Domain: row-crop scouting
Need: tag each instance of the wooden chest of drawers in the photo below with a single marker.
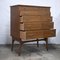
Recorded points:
(31, 22)
(31, 18)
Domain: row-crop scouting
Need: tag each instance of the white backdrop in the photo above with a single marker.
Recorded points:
(5, 17)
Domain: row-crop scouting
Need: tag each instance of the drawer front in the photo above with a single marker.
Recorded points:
(50, 33)
(34, 13)
(36, 26)
(35, 18)
(30, 34)
(40, 34)
(37, 34)
(27, 8)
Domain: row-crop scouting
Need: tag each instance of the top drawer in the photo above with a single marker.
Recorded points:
(35, 13)
(25, 10)
(28, 8)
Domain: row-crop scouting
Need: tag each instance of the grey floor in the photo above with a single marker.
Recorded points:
(31, 52)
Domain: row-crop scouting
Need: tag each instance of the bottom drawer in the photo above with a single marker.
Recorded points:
(37, 34)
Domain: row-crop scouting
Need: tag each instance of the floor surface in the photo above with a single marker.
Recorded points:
(31, 52)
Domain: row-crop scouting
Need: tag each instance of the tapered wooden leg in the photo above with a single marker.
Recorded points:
(20, 49)
(37, 43)
(46, 39)
(12, 44)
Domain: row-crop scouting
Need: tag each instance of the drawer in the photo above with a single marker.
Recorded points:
(37, 34)
(36, 25)
(35, 18)
(30, 34)
(28, 8)
(34, 13)
(49, 33)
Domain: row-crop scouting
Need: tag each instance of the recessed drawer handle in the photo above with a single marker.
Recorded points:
(20, 16)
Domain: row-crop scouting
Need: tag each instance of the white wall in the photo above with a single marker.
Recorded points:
(5, 17)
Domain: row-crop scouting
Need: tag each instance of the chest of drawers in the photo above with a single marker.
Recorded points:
(31, 22)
